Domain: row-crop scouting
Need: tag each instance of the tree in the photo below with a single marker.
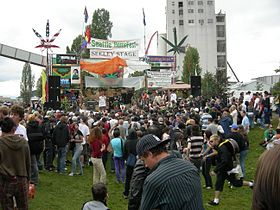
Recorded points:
(101, 27)
(27, 83)
(208, 84)
(276, 89)
(191, 65)
(39, 87)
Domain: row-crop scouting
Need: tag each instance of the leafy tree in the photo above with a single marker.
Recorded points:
(276, 89)
(101, 25)
(208, 84)
(39, 87)
(137, 74)
(27, 83)
(191, 65)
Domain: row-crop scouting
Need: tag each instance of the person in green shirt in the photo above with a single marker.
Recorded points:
(268, 134)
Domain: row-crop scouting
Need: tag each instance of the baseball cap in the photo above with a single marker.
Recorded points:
(234, 126)
(148, 142)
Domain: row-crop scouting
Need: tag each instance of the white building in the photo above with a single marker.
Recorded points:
(206, 31)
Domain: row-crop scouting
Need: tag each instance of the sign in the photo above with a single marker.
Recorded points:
(160, 59)
(75, 75)
(157, 74)
(66, 59)
(65, 83)
(109, 54)
(63, 72)
(114, 44)
(158, 82)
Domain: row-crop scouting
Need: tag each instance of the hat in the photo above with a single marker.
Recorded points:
(148, 142)
(160, 120)
(234, 126)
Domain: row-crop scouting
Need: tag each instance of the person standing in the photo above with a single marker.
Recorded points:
(14, 167)
(17, 114)
(77, 138)
(61, 137)
(97, 147)
(266, 106)
(102, 101)
(172, 183)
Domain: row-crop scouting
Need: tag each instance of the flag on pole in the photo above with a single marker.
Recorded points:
(86, 14)
(144, 19)
(44, 86)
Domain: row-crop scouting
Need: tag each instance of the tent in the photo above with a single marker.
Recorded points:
(182, 86)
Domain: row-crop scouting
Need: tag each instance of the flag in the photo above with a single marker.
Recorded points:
(144, 19)
(44, 86)
(55, 35)
(86, 15)
(87, 35)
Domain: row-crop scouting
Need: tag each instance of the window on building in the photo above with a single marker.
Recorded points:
(180, 4)
(209, 2)
(220, 19)
(201, 21)
(221, 46)
(190, 10)
(191, 3)
(210, 21)
(181, 12)
(191, 21)
(173, 21)
(220, 31)
(181, 22)
(221, 61)
(173, 3)
(200, 10)
(200, 2)
(173, 11)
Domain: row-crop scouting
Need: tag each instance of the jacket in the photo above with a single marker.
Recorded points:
(14, 156)
(95, 205)
(224, 158)
(61, 135)
(35, 137)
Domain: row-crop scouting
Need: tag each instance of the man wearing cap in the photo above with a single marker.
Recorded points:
(172, 182)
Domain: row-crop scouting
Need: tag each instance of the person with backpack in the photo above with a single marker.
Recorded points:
(36, 144)
(224, 166)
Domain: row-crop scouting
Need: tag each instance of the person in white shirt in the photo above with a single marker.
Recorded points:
(102, 101)
(233, 113)
(17, 114)
(245, 122)
(173, 97)
(85, 131)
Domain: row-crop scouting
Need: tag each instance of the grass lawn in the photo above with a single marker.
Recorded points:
(59, 192)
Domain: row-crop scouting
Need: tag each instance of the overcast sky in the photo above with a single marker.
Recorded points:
(253, 31)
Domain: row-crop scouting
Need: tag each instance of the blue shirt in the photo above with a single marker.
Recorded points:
(117, 148)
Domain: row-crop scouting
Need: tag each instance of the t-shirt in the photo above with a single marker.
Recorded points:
(21, 130)
(116, 145)
(85, 131)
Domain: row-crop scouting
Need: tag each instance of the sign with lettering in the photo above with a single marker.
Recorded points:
(66, 59)
(125, 45)
(109, 54)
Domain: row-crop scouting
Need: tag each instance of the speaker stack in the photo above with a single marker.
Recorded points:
(54, 92)
(196, 86)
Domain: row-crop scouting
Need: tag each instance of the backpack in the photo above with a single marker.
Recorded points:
(35, 140)
(232, 146)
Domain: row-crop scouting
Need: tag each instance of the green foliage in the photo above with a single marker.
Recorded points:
(259, 86)
(208, 84)
(276, 89)
(39, 87)
(137, 74)
(191, 65)
(101, 25)
(27, 83)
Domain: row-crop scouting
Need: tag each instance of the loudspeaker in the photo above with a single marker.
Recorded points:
(54, 88)
(196, 86)
(52, 105)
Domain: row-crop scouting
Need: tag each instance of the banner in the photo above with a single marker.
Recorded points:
(63, 71)
(114, 44)
(44, 86)
(157, 74)
(109, 54)
(158, 82)
(75, 75)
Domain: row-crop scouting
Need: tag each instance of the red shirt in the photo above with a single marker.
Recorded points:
(96, 148)
(105, 140)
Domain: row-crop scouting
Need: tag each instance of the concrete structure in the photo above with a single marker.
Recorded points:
(271, 79)
(206, 31)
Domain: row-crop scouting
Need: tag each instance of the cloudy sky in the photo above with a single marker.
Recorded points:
(253, 31)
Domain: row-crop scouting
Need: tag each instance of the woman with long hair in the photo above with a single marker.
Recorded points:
(97, 148)
(77, 138)
(267, 182)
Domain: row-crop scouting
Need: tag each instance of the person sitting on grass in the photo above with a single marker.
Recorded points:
(100, 195)
(268, 135)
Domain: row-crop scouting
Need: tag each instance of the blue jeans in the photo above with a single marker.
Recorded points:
(61, 158)
(76, 159)
(119, 169)
(266, 115)
(34, 170)
(242, 158)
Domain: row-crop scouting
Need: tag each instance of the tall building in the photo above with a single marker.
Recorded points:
(206, 32)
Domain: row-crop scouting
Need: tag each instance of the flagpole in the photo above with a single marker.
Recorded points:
(144, 23)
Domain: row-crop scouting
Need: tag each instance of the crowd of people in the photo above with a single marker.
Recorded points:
(156, 147)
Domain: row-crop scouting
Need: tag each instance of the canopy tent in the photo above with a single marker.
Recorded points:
(104, 67)
(177, 86)
(133, 82)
